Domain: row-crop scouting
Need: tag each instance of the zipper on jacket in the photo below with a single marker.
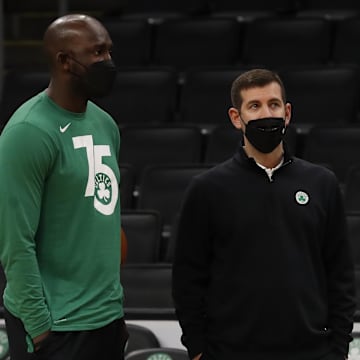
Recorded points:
(289, 161)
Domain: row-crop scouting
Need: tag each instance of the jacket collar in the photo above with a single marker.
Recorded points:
(243, 159)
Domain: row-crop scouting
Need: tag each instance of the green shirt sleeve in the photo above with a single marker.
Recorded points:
(26, 156)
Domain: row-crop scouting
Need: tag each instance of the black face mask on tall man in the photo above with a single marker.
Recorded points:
(98, 79)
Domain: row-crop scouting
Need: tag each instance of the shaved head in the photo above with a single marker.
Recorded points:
(78, 49)
(67, 32)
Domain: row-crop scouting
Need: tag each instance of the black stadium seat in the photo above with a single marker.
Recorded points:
(205, 96)
(346, 40)
(143, 233)
(162, 9)
(322, 95)
(185, 43)
(222, 144)
(276, 42)
(255, 5)
(162, 188)
(161, 353)
(140, 337)
(131, 42)
(142, 146)
(337, 147)
(18, 87)
(246, 11)
(142, 96)
(333, 10)
(147, 289)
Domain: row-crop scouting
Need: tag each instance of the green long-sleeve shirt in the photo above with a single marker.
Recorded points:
(60, 217)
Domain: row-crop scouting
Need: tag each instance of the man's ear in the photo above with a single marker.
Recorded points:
(287, 113)
(235, 118)
(61, 58)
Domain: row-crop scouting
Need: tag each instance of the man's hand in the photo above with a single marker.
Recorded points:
(197, 357)
(38, 339)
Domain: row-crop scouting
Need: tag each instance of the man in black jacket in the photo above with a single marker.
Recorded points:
(262, 267)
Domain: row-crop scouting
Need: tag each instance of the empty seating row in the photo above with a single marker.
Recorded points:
(189, 42)
(337, 147)
(144, 240)
(179, 6)
(154, 217)
(201, 96)
(157, 163)
(151, 180)
(208, 41)
(257, 8)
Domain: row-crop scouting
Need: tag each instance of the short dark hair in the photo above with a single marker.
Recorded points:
(251, 79)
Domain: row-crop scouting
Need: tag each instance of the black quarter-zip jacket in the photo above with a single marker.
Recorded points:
(262, 268)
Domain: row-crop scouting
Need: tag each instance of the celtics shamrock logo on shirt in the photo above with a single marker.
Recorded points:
(302, 198)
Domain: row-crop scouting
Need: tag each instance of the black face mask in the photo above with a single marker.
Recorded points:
(98, 78)
(265, 134)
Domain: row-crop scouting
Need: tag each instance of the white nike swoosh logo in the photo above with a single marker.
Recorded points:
(63, 129)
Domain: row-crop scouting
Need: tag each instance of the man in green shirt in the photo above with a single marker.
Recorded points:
(59, 206)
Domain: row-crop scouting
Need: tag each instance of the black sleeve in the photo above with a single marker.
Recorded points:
(340, 275)
(191, 268)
